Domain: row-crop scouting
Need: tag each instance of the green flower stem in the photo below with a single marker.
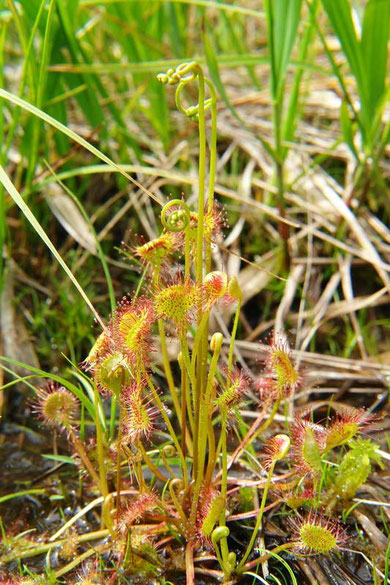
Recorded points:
(168, 371)
(187, 252)
(205, 416)
(118, 460)
(138, 471)
(100, 451)
(169, 425)
(269, 555)
(212, 452)
(211, 436)
(167, 466)
(198, 339)
(202, 176)
(203, 431)
(112, 416)
(187, 363)
(201, 362)
(213, 145)
(259, 518)
(188, 375)
(216, 538)
(222, 518)
(186, 404)
(213, 160)
(233, 335)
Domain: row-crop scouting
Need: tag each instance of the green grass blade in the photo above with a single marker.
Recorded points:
(340, 16)
(290, 119)
(212, 63)
(286, 17)
(347, 129)
(240, 60)
(26, 44)
(28, 56)
(205, 3)
(44, 59)
(283, 18)
(89, 405)
(34, 492)
(87, 101)
(336, 70)
(98, 245)
(374, 46)
(68, 132)
(60, 458)
(9, 186)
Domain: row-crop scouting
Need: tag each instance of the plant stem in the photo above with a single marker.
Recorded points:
(202, 173)
(168, 371)
(169, 425)
(222, 518)
(213, 160)
(100, 445)
(259, 518)
(118, 460)
(233, 335)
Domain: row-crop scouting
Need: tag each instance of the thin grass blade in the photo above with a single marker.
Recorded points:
(10, 188)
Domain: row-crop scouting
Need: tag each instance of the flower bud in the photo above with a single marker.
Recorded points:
(216, 342)
(234, 289)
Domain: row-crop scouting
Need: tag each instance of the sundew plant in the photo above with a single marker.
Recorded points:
(159, 448)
